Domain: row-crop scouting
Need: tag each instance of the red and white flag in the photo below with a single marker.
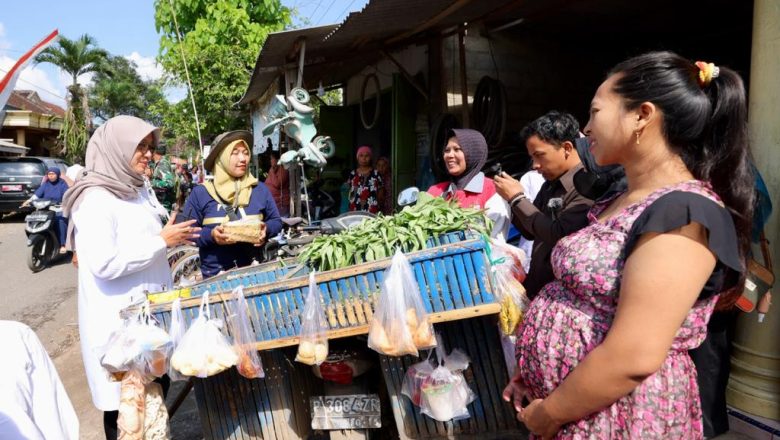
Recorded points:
(8, 82)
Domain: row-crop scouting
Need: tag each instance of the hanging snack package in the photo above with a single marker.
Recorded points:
(244, 338)
(176, 332)
(203, 350)
(154, 344)
(446, 395)
(507, 270)
(511, 257)
(400, 323)
(121, 350)
(414, 378)
(313, 345)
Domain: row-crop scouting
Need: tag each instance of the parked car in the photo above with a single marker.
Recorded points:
(20, 177)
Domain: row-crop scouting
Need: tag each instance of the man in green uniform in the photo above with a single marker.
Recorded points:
(163, 180)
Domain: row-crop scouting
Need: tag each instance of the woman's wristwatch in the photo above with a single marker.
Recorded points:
(517, 198)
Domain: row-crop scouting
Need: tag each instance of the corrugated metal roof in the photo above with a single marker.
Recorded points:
(336, 52)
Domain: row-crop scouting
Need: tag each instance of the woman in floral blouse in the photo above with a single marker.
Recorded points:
(366, 188)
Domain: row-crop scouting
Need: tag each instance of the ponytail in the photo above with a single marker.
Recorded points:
(705, 121)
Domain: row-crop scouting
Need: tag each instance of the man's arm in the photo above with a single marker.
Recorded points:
(534, 224)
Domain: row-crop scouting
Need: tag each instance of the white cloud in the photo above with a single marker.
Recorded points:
(34, 77)
(4, 44)
(146, 67)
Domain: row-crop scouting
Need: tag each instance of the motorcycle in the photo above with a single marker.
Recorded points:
(296, 233)
(41, 230)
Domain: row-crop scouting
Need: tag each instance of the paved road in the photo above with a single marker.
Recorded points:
(47, 302)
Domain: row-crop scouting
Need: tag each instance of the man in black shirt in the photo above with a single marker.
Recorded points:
(558, 209)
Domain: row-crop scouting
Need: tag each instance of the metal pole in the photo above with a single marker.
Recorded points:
(464, 86)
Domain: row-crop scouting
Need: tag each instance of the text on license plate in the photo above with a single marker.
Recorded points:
(7, 188)
(354, 411)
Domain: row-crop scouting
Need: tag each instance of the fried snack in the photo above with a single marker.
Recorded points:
(244, 231)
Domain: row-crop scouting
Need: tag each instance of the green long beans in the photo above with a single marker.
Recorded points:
(378, 238)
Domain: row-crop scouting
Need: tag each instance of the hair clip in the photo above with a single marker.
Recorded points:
(707, 72)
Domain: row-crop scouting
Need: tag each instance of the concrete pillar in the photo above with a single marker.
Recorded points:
(754, 386)
(20, 137)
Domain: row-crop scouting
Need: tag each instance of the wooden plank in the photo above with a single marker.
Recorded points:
(260, 392)
(462, 280)
(406, 427)
(483, 276)
(423, 255)
(426, 291)
(249, 418)
(444, 285)
(261, 330)
(452, 282)
(444, 316)
(471, 276)
(436, 300)
(203, 413)
(466, 341)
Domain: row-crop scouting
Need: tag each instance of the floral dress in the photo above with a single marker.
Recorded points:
(364, 191)
(572, 315)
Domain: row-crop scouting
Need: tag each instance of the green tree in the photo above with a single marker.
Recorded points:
(220, 40)
(75, 57)
(120, 90)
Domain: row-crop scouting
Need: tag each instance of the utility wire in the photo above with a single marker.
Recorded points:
(341, 15)
(39, 87)
(326, 12)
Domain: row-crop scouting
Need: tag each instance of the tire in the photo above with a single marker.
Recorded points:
(35, 261)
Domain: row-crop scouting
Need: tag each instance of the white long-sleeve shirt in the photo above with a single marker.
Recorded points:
(121, 255)
(34, 404)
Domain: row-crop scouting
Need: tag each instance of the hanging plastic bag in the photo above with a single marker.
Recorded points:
(512, 258)
(414, 378)
(313, 345)
(400, 323)
(203, 350)
(121, 350)
(507, 270)
(445, 395)
(154, 343)
(244, 338)
(176, 332)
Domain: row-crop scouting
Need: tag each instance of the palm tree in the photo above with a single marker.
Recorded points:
(75, 57)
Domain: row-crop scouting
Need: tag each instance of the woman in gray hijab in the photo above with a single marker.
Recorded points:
(464, 156)
(120, 241)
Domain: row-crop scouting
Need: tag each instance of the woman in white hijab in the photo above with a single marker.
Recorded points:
(117, 231)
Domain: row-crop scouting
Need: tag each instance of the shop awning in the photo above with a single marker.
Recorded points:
(6, 146)
(334, 53)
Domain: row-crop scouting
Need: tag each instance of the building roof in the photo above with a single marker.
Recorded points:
(334, 53)
(30, 101)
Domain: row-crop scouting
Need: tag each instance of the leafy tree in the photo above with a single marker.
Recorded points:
(75, 57)
(220, 40)
(121, 90)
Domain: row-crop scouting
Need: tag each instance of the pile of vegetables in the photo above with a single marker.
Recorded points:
(378, 238)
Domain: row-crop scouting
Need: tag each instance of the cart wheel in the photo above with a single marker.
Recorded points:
(187, 270)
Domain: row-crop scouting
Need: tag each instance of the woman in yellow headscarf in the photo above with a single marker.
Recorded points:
(233, 194)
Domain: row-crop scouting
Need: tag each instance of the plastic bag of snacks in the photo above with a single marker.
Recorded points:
(313, 345)
(203, 350)
(400, 323)
(507, 270)
(176, 331)
(244, 338)
(140, 344)
(415, 377)
(445, 395)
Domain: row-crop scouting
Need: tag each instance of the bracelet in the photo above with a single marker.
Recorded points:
(517, 198)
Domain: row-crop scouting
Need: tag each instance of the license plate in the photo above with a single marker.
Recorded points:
(8, 188)
(354, 411)
(36, 218)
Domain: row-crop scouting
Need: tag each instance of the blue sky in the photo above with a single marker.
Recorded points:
(123, 27)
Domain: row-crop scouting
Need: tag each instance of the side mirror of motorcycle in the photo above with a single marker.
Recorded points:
(408, 196)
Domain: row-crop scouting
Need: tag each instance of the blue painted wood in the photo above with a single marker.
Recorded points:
(452, 282)
(481, 266)
(471, 277)
(426, 290)
(444, 291)
(430, 278)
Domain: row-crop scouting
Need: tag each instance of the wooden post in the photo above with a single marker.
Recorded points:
(464, 86)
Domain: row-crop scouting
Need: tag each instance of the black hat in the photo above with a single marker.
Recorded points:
(222, 141)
